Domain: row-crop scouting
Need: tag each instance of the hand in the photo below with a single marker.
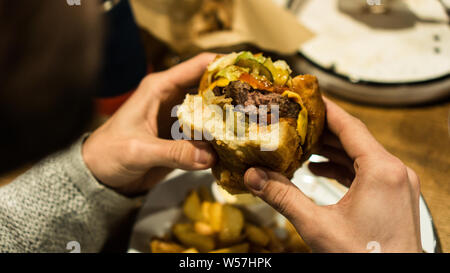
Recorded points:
(381, 205)
(132, 151)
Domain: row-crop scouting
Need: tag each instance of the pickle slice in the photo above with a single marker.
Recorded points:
(246, 59)
(280, 76)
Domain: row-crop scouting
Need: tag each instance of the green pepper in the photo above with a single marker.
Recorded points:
(245, 55)
(269, 65)
(232, 72)
(280, 75)
(246, 59)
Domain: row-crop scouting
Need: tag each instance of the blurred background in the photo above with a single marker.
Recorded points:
(386, 62)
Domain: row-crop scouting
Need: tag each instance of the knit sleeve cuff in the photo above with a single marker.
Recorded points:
(108, 199)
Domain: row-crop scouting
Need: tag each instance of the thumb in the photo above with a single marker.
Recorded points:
(183, 154)
(276, 190)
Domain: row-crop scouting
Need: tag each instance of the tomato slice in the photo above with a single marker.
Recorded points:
(255, 83)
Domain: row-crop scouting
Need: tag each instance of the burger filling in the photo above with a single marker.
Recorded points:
(252, 80)
(243, 94)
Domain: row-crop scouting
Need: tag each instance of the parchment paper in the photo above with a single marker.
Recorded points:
(259, 22)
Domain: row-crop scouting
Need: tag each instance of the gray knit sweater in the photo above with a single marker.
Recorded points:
(58, 205)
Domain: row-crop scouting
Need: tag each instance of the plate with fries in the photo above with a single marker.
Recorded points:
(190, 213)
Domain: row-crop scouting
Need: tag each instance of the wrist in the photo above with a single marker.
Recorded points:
(102, 169)
(90, 157)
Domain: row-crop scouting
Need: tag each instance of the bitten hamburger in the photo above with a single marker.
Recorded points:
(254, 114)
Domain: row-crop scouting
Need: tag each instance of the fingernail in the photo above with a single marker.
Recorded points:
(256, 179)
(202, 156)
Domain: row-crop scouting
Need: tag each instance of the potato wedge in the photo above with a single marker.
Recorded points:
(206, 211)
(231, 227)
(192, 206)
(203, 228)
(159, 246)
(295, 242)
(241, 248)
(256, 235)
(290, 227)
(275, 245)
(185, 233)
(190, 250)
(215, 216)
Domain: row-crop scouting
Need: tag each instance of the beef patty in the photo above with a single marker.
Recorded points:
(243, 94)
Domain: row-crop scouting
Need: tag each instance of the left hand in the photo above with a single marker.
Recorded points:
(131, 152)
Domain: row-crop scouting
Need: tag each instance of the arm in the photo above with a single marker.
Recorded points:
(58, 201)
(79, 194)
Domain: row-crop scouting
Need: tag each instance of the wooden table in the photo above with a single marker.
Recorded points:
(420, 137)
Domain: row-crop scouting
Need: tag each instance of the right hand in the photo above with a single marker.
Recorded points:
(382, 204)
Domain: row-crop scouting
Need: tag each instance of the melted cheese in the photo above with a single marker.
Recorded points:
(302, 120)
(221, 82)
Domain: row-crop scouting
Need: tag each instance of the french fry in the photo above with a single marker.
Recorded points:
(192, 206)
(290, 227)
(256, 235)
(215, 216)
(203, 228)
(185, 233)
(240, 248)
(232, 222)
(295, 242)
(190, 250)
(159, 246)
(275, 245)
(206, 211)
(221, 228)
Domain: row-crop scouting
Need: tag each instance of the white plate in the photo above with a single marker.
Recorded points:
(409, 44)
(162, 206)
